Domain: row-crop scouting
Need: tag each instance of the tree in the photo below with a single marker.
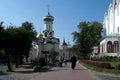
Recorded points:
(2, 54)
(16, 42)
(1, 35)
(87, 37)
(53, 56)
(29, 37)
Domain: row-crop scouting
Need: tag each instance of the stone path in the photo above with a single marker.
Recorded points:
(25, 72)
(66, 73)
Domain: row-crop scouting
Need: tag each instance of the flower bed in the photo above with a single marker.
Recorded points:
(98, 64)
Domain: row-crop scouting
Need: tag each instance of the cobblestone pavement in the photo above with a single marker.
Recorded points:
(25, 72)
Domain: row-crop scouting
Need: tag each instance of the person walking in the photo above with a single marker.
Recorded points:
(73, 62)
(60, 61)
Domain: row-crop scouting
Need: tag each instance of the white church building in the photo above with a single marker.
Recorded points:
(110, 44)
(46, 41)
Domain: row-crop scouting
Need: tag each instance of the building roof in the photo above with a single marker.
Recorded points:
(48, 17)
(64, 43)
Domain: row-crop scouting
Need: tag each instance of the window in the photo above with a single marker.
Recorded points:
(109, 47)
(45, 34)
(116, 46)
(118, 29)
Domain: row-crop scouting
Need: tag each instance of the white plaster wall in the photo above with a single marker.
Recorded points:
(112, 19)
(48, 26)
(110, 54)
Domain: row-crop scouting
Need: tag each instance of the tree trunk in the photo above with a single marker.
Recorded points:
(17, 62)
(26, 58)
(21, 59)
(9, 63)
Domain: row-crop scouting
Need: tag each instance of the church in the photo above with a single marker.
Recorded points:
(46, 42)
(64, 50)
(110, 44)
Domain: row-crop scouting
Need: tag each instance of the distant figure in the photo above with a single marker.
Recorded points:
(65, 62)
(73, 62)
(60, 61)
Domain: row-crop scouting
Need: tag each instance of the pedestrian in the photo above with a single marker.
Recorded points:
(65, 61)
(73, 62)
(60, 61)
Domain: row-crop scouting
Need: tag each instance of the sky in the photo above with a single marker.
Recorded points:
(67, 14)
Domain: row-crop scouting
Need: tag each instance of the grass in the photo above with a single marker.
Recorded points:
(114, 63)
(102, 70)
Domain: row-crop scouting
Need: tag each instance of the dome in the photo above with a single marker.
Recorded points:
(64, 43)
(48, 17)
(39, 36)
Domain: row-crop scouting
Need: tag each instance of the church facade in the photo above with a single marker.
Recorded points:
(46, 41)
(110, 44)
(64, 50)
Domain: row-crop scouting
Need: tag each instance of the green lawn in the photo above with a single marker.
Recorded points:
(114, 63)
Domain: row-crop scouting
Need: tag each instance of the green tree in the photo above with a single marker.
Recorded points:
(88, 35)
(2, 59)
(1, 35)
(16, 42)
(9, 42)
(53, 55)
(29, 37)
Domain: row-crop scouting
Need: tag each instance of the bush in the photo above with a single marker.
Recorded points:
(106, 65)
(117, 66)
(98, 64)
(46, 68)
(37, 68)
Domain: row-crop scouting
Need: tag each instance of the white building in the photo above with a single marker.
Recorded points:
(109, 46)
(46, 42)
(64, 50)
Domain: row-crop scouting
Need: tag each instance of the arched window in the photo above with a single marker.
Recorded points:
(50, 34)
(109, 46)
(45, 34)
(116, 46)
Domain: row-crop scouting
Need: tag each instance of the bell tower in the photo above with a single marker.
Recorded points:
(48, 25)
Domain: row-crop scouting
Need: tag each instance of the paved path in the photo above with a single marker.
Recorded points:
(66, 73)
(25, 72)
(56, 73)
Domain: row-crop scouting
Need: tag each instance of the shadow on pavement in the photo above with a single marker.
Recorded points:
(81, 69)
(27, 66)
(25, 72)
(26, 69)
(2, 73)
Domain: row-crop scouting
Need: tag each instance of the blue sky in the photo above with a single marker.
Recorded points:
(67, 13)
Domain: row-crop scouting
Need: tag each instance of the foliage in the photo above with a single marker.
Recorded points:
(107, 58)
(53, 55)
(88, 35)
(99, 69)
(98, 64)
(1, 35)
(38, 68)
(16, 42)
(117, 67)
(29, 37)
